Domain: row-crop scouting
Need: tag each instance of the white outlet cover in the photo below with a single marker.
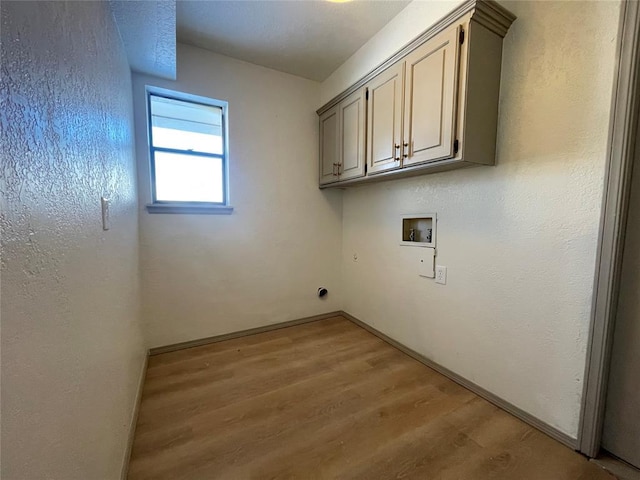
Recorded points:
(106, 220)
(441, 274)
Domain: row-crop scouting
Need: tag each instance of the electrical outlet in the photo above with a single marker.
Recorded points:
(441, 274)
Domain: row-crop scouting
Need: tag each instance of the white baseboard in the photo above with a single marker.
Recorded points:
(134, 420)
(478, 390)
(242, 333)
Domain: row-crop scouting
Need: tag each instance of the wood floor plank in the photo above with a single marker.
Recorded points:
(328, 400)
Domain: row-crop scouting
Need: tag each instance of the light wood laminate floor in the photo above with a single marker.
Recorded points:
(328, 400)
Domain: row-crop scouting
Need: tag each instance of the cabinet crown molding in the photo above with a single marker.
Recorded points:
(488, 13)
(492, 15)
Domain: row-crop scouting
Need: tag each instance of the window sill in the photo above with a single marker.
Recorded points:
(189, 209)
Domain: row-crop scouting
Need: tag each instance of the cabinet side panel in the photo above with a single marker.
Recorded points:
(483, 92)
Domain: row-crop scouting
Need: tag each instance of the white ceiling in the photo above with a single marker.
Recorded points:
(309, 38)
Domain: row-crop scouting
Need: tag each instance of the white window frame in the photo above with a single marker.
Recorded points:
(160, 206)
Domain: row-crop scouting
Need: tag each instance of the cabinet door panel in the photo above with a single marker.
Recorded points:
(430, 99)
(352, 119)
(384, 119)
(329, 146)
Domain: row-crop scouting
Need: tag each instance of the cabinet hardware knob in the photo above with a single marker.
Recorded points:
(406, 144)
(397, 159)
(397, 146)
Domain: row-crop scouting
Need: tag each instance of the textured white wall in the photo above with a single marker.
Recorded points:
(72, 351)
(414, 19)
(206, 275)
(148, 32)
(519, 239)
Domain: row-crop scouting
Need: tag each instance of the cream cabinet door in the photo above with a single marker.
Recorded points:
(384, 120)
(352, 129)
(329, 146)
(430, 99)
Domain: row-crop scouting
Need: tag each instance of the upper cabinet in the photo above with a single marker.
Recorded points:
(432, 106)
(329, 138)
(342, 140)
(384, 120)
(431, 73)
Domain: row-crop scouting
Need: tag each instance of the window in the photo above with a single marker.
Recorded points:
(188, 152)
